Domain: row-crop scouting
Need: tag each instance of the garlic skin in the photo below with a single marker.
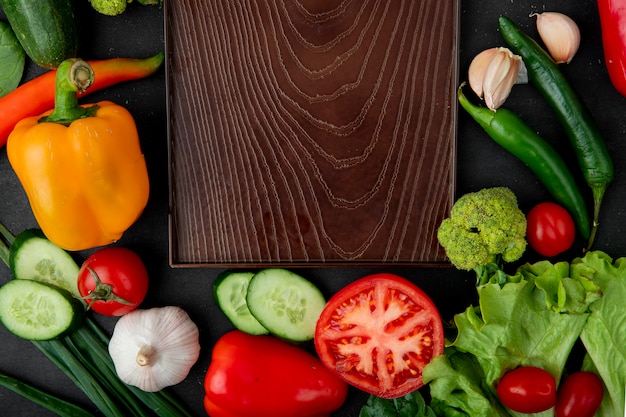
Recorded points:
(492, 74)
(560, 34)
(154, 348)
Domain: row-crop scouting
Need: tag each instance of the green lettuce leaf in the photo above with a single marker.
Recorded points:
(456, 380)
(604, 334)
(531, 318)
(411, 405)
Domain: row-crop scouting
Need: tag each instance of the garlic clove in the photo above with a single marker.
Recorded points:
(476, 71)
(500, 76)
(493, 72)
(560, 34)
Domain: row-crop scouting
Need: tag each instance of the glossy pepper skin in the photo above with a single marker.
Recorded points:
(613, 23)
(81, 167)
(262, 376)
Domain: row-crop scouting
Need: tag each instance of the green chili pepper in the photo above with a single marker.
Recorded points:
(576, 119)
(509, 131)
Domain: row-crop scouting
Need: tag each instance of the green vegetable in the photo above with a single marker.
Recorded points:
(33, 256)
(603, 336)
(230, 289)
(510, 132)
(458, 389)
(36, 311)
(410, 405)
(483, 228)
(110, 7)
(531, 318)
(13, 59)
(285, 303)
(46, 29)
(578, 122)
(47, 401)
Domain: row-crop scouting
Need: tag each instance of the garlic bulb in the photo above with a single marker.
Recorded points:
(560, 34)
(492, 74)
(154, 348)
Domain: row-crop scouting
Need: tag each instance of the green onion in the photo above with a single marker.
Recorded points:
(100, 371)
(58, 353)
(44, 399)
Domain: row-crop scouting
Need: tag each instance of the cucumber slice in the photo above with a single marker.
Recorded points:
(230, 289)
(33, 256)
(285, 303)
(36, 311)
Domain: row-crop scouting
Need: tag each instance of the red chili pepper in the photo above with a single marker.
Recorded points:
(613, 22)
(37, 95)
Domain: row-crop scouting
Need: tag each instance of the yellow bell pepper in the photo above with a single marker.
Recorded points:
(81, 166)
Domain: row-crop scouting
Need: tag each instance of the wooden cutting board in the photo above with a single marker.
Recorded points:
(308, 132)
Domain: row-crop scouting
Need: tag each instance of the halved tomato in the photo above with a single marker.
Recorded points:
(378, 333)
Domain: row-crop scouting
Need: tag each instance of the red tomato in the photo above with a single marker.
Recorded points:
(527, 389)
(550, 229)
(378, 333)
(113, 280)
(580, 395)
(263, 376)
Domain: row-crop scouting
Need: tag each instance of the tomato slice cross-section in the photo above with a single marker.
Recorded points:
(378, 333)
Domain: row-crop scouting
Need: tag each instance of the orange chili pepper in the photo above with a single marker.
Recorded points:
(37, 95)
(81, 166)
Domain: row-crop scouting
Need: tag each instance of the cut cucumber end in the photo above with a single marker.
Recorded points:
(285, 303)
(230, 291)
(33, 256)
(36, 311)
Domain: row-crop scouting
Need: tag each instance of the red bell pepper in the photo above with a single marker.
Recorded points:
(262, 376)
(613, 23)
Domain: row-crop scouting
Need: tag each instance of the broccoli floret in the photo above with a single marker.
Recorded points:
(110, 7)
(483, 228)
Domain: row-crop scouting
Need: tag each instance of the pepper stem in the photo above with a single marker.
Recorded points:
(73, 76)
(598, 194)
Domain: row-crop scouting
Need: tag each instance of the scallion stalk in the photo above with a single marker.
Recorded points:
(44, 399)
(58, 353)
(83, 351)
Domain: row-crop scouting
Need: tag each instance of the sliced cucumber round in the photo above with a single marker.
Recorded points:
(230, 289)
(33, 256)
(285, 303)
(36, 311)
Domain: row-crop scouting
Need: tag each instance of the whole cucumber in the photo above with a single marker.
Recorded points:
(46, 29)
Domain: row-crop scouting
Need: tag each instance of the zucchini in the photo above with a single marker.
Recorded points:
(13, 60)
(229, 290)
(46, 29)
(33, 256)
(36, 311)
(285, 303)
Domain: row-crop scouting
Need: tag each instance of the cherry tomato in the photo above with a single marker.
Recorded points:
(579, 395)
(550, 229)
(263, 376)
(527, 389)
(113, 280)
(378, 333)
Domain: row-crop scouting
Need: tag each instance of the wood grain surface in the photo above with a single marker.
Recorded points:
(311, 133)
